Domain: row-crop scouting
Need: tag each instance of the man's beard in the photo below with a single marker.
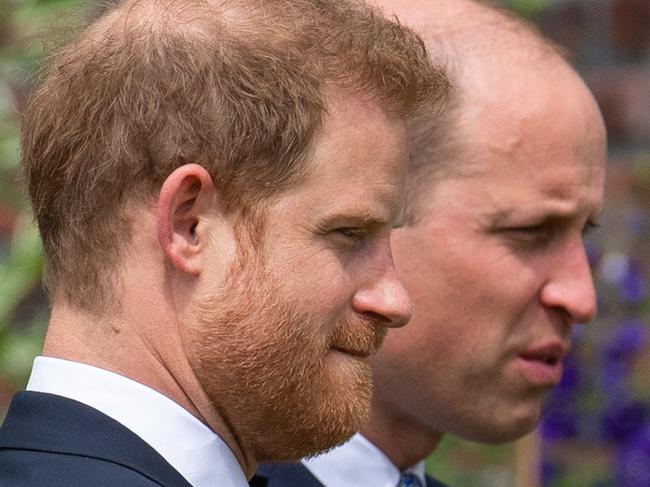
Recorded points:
(264, 364)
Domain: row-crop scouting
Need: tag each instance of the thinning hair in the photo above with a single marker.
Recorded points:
(238, 86)
(470, 28)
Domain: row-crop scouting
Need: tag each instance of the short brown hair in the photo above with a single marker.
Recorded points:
(237, 86)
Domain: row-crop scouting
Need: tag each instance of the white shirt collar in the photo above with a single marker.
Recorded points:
(185, 442)
(358, 463)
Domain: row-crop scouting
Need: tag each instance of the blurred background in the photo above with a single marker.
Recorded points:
(596, 427)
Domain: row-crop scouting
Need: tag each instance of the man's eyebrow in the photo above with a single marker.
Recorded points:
(538, 215)
(556, 213)
(362, 217)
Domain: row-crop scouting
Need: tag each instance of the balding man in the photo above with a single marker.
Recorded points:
(215, 184)
(500, 196)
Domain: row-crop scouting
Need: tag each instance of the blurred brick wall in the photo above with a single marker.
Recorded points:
(596, 429)
(609, 41)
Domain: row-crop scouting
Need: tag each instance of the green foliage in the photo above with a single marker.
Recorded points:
(460, 462)
(17, 351)
(23, 26)
(527, 8)
(21, 271)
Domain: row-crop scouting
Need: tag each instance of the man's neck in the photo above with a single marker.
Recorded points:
(118, 345)
(404, 441)
(199, 456)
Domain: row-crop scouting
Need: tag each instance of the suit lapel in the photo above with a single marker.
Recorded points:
(297, 475)
(46, 422)
(284, 475)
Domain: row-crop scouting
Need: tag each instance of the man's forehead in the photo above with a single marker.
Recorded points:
(536, 109)
(356, 165)
(380, 202)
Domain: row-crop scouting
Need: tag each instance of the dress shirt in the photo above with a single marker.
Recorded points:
(358, 463)
(181, 439)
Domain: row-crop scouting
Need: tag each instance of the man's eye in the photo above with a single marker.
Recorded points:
(529, 230)
(351, 233)
(530, 234)
(349, 238)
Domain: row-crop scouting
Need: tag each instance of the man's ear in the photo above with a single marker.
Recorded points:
(186, 195)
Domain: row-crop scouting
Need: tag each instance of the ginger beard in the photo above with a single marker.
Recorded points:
(268, 368)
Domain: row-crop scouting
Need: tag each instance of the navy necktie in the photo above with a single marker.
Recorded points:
(409, 480)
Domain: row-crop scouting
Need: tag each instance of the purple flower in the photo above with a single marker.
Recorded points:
(613, 376)
(620, 352)
(559, 421)
(550, 472)
(622, 420)
(636, 220)
(560, 417)
(633, 460)
(627, 339)
(632, 285)
(594, 253)
(570, 378)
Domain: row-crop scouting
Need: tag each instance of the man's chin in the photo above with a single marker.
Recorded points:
(504, 429)
(325, 420)
(313, 446)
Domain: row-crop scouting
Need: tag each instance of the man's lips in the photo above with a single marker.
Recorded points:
(541, 364)
(354, 352)
(548, 353)
(358, 339)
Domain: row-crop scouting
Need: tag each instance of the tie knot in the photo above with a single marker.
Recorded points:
(409, 480)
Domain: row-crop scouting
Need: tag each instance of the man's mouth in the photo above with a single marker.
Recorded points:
(541, 365)
(549, 353)
(360, 340)
(353, 352)
(545, 359)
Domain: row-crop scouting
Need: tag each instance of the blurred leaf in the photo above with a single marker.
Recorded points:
(9, 148)
(23, 269)
(460, 462)
(17, 352)
(527, 8)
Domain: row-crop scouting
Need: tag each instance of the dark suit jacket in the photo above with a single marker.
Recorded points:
(297, 475)
(50, 441)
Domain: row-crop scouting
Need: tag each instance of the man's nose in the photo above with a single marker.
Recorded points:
(570, 285)
(383, 296)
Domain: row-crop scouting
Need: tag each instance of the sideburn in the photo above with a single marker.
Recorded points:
(249, 228)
